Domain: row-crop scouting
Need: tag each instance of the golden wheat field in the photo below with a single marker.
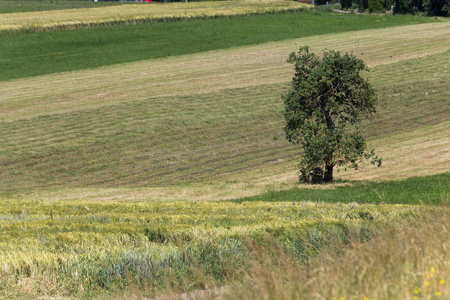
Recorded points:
(133, 13)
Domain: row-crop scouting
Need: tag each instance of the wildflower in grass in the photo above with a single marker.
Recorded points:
(432, 270)
(438, 293)
(427, 283)
(416, 291)
(415, 298)
(442, 281)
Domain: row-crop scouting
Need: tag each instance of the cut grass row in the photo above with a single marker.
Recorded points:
(145, 142)
(141, 145)
(140, 13)
(158, 141)
(61, 51)
(217, 70)
(414, 153)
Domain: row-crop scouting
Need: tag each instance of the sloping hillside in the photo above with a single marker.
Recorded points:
(214, 119)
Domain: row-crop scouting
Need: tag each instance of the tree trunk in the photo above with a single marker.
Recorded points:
(328, 176)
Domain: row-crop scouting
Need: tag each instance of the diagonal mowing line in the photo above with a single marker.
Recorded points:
(209, 71)
(421, 152)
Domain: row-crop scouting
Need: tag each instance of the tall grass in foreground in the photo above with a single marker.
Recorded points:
(86, 249)
(406, 261)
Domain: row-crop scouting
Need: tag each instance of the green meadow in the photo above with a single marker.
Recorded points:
(149, 160)
(430, 190)
(15, 6)
(62, 51)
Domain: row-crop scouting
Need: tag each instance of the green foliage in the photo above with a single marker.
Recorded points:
(417, 6)
(432, 7)
(376, 6)
(70, 50)
(362, 5)
(402, 7)
(321, 2)
(328, 99)
(437, 7)
(345, 4)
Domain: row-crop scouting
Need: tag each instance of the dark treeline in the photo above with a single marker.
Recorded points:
(429, 7)
(432, 7)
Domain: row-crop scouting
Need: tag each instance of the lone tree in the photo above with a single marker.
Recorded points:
(323, 111)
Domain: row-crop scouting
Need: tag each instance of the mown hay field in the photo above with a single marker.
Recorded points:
(88, 48)
(211, 123)
(108, 175)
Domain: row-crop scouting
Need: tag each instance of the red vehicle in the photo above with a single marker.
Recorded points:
(149, 1)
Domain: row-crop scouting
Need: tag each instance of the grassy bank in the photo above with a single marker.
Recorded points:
(419, 190)
(60, 51)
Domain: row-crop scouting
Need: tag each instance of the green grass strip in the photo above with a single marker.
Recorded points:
(38, 53)
(416, 190)
(15, 6)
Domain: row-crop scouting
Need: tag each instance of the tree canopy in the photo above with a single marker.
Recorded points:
(323, 111)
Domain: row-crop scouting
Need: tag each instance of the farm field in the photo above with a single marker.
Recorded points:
(70, 50)
(135, 13)
(145, 130)
(171, 174)
(84, 248)
(15, 6)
